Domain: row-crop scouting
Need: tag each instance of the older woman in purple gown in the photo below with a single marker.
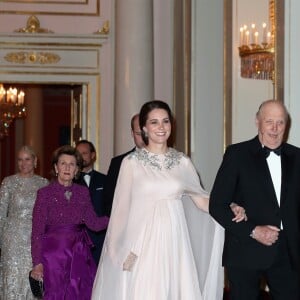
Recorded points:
(60, 246)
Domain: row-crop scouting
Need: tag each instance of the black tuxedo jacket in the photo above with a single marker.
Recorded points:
(111, 180)
(244, 178)
(96, 192)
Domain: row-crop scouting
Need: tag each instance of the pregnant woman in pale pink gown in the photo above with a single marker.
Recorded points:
(148, 251)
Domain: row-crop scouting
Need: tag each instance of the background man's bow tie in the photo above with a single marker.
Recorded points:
(87, 177)
(89, 173)
(277, 150)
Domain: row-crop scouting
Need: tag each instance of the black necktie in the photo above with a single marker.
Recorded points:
(267, 150)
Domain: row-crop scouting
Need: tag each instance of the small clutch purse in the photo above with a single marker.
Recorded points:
(37, 287)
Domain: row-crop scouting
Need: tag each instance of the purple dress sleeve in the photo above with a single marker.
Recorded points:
(90, 218)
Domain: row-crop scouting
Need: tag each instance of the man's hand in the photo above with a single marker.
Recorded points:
(266, 234)
(239, 213)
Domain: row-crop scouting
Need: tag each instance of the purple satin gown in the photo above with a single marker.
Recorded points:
(60, 242)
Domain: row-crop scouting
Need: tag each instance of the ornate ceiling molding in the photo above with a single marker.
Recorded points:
(33, 26)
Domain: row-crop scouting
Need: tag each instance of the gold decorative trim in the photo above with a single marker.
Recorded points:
(79, 2)
(33, 26)
(55, 8)
(32, 57)
(277, 10)
(227, 77)
(105, 28)
(181, 77)
(51, 13)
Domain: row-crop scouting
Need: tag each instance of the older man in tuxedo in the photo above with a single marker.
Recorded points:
(95, 181)
(115, 164)
(263, 176)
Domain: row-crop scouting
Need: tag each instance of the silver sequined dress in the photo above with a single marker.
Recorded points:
(17, 197)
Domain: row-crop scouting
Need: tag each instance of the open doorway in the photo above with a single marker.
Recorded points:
(48, 125)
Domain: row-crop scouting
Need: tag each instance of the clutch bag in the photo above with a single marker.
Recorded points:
(36, 286)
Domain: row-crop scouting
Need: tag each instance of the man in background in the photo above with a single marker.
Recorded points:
(95, 182)
(115, 164)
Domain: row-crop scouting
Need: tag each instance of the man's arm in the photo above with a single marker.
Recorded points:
(224, 192)
(227, 189)
(110, 183)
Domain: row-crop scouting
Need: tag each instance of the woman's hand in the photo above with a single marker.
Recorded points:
(37, 272)
(239, 213)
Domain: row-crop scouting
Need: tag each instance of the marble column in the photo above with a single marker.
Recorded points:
(134, 79)
(33, 124)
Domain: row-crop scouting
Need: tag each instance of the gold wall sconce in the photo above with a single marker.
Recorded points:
(256, 49)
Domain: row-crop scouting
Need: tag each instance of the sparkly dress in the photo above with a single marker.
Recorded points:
(155, 247)
(17, 197)
(60, 242)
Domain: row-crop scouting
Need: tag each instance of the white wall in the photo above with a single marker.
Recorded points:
(247, 94)
(207, 88)
(292, 67)
(73, 17)
(207, 82)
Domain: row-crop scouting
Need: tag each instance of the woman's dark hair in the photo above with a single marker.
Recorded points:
(68, 150)
(146, 109)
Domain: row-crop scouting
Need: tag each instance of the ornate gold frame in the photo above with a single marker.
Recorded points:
(277, 13)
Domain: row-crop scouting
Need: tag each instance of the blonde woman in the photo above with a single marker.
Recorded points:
(17, 197)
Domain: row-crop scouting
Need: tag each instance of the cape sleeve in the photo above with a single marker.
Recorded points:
(193, 186)
(116, 231)
(206, 235)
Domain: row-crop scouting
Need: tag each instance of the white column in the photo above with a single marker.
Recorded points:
(163, 18)
(133, 65)
(33, 123)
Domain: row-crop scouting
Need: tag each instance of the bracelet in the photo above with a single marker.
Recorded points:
(252, 233)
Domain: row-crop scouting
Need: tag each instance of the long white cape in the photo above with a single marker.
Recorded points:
(149, 221)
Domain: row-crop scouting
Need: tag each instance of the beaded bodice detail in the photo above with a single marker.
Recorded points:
(165, 161)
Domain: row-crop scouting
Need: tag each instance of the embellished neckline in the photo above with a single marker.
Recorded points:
(68, 195)
(159, 154)
(66, 190)
(25, 177)
(161, 161)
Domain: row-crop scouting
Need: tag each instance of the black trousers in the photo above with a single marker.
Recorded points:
(282, 280)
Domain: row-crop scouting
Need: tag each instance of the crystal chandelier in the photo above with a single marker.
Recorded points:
(256, 49)
(11, 107)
